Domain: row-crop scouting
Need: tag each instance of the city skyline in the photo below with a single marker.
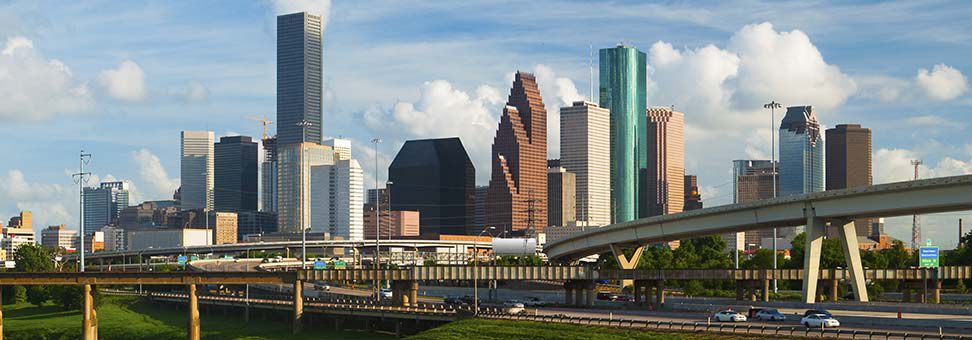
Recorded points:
(130, 159)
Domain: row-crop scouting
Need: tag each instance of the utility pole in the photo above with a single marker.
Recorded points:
(376, 141)
(773, 105)
(81, 178)
(303, 124)
(916, 220)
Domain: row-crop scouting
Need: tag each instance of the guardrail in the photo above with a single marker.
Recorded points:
(325, 304)
(707, 327)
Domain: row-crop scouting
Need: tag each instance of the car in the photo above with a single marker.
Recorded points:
(453, 300)
(819, 321)
(469, 300)
(810, 312)
(729, 316)
(512, 302)
(514, 308)
(322, 286)
(605, 296)
(386, 293)
(622, 298)
(534, 302)
(770, 314)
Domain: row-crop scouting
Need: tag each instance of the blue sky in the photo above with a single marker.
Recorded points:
(121, 79)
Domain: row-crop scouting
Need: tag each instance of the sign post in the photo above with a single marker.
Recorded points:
(182, 260)
(927, 258)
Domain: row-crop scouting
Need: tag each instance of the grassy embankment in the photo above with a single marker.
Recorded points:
(481, 329)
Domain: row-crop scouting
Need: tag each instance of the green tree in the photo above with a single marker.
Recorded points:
(658, 257)
(762, 259)
(37, 295)
(14, 295)
(898, 256)
(34, 258)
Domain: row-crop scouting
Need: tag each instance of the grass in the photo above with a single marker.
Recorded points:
(475, 329)
(131, 318)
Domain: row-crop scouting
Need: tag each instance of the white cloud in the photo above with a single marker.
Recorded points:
(557, 92)
(942, 82)
(49, 203)
(34, 87)
(197, 92)
(894, 165)
(150, 169)
(126, 82)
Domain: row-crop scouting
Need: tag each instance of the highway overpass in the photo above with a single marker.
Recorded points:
(816, 210)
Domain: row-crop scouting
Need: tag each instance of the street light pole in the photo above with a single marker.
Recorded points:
(773, 105)
(376, 141)
(476, 271)
(303, 124)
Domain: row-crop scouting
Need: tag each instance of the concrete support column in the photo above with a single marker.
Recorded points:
(834, 289)
(413, 293)
(579, 294)
(89, 318)
(852, 254)
(766, 290)
(815, 231)
(298, 306)
(937, 292)
(193, 332)
(740, 290)
(659, 294)
(636, 289)
(924, 293)
(568, 293)
(626, 262)
(591, 293)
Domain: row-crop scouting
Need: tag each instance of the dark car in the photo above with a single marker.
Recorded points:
(452, 300)
(817, 311)
(605, 296)
(469, 300)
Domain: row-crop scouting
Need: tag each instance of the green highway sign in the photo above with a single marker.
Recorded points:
(928, 257)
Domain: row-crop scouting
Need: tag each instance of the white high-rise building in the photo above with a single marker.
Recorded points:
(114, 238)
(294, 163)
(585, 150)
(196, 170)
(342, 147)
(337, 199)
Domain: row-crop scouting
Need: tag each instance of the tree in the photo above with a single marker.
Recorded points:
(762, 259)
(898, 256)
(14, 295)
(34, 258)
(658, 257)
(37, 295)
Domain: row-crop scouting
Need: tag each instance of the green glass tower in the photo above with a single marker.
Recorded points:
(624, 91)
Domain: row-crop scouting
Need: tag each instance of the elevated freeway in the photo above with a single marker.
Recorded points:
(836, 208)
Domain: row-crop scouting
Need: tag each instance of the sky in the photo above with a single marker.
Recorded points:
(122, 79)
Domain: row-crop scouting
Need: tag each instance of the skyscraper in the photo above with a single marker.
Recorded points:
(801, 152)
(235, 187)
(196, 169)
(561, 197)
(585, 150)
(517, 196)
(342, 147)
(299, 78)
(623, 91)
(753, 181)
(268, 176)
(103, 205)
(294, 164)
(436, 178)
(693, 199)
(848, 162)
(665, 174)
(337, 199)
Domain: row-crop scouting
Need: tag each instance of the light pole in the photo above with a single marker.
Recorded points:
(303, 124)
(376, 141)
(82, 178)
(773, 105)
(476, 271)
(388, 185)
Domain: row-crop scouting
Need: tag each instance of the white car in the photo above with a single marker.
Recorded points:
(514, 308)
(819, 321)
(385, 293)
(729, 316)
(770, 315)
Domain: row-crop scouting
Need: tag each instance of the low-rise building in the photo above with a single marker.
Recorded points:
(168, 238)
(59, 237)
(114, 238)
(14, 237)
(394, 224)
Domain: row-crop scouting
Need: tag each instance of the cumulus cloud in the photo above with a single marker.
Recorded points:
(125, 82)
(34, 87)
(197, 92)
(150, 170)
(557, 92)
(49, 203)
(942, 82)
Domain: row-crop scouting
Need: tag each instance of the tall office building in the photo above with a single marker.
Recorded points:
(848, 153)
(624, 91)
(517, 196)
(299, 78)
(268, 176)
(693, 199)
(294, 162)
(561, 197)
(752, 180)
(342, 147)
(337, 200)
(479, 216)
(103, 205)
(801, 157)
(585, 150)
(196, 170)
(436, 178)
(665, 174)
(235, 187)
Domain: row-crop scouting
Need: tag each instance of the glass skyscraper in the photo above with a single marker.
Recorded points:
(624, 91)
(299, 78)
(801, 152)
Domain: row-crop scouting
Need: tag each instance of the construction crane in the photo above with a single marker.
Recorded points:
(264, 121)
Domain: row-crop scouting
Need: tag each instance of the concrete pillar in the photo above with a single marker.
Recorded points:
(924, 293)
(89, 321)
(625, 262)
(579, 294)
(193, 332)
(752, 291)
(636, 289)
(834, 289)
(740, 290)
(568, 293)
(852, 254)
(413, 293)
(659, 294)
(937, 292)
(815, 231)
(591, 293)
(298, 306)
(766, 290)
